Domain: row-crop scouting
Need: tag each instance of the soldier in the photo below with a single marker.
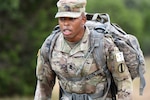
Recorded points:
(72, 63)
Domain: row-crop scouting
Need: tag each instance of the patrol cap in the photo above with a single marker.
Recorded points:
(70, 8)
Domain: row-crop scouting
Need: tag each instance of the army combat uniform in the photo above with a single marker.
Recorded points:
(66, 60)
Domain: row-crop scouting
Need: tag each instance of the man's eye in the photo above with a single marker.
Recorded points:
(72, 19)
(62, 18)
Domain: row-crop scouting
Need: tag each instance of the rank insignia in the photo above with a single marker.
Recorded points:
(121, 68)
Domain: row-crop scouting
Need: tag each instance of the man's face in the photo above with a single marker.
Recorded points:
(72, 28)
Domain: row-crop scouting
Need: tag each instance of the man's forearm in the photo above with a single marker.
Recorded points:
(40, 93)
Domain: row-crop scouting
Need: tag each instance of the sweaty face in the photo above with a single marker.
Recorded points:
(72, 28)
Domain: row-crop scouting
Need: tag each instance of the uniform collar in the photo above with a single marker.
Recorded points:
(83, 45)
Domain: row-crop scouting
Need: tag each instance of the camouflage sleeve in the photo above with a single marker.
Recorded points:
(119, 70)
(45, 79)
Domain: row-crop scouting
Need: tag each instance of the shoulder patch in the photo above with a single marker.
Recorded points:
(121, 68)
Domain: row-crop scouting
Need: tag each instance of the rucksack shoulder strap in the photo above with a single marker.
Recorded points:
(97, 40)
(48, 45)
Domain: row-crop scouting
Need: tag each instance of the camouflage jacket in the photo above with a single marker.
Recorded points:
(66, 61)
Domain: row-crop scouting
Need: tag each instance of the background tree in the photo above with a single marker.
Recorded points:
(132, 15)
(23, 26)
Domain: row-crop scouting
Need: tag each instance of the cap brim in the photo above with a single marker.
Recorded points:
(68, 14)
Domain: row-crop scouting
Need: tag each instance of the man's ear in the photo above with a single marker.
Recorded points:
(83, 18)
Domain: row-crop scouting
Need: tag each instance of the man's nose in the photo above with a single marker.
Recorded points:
(66, 22)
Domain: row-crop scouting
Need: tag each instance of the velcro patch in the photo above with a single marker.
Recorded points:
(119, 57)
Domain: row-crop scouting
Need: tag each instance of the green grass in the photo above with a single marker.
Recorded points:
(17, 98)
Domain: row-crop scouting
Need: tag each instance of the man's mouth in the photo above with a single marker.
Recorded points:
(66, 32)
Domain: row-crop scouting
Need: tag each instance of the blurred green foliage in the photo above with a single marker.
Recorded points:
(24, 25)
(132, 15)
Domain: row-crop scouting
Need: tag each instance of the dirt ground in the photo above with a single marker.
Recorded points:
(136, 96)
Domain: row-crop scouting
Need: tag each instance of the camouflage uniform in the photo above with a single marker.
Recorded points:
(66, 60)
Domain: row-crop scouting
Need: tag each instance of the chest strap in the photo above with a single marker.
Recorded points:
(75, 96)
(87, 77)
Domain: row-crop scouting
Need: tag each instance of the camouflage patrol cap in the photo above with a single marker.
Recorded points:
(70, 8)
